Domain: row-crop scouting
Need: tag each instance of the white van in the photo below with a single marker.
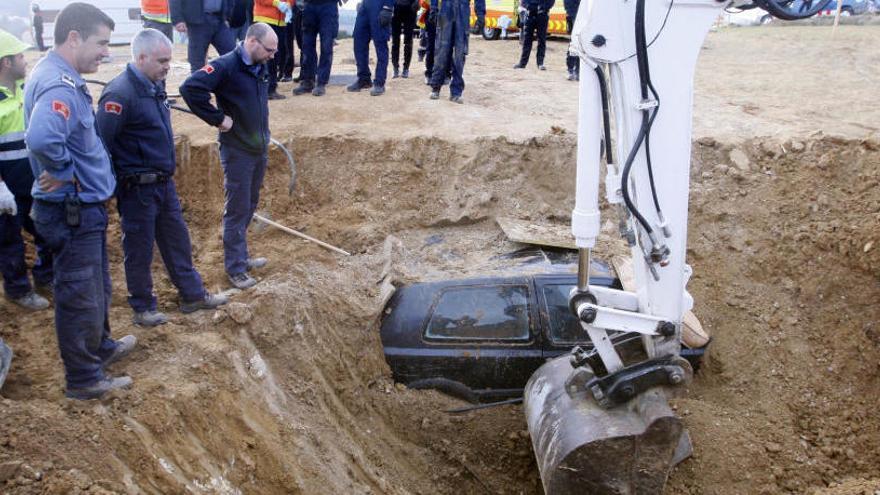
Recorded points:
(125, 13)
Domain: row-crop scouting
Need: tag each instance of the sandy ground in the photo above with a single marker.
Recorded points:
(286, 390)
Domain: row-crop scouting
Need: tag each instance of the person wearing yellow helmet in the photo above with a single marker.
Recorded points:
(16, 180)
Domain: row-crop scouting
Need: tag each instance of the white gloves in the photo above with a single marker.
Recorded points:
(7, 201)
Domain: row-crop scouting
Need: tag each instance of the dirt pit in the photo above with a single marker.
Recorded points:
(286, 390)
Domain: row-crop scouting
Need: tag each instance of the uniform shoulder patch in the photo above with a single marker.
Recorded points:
(113, 107)
(68, 80)
(208, 68)
(61, 108)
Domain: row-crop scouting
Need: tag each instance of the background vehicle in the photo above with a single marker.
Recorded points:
(125, 13)
(500, 13)
(480, 339)
(848, 7)
(748, 17)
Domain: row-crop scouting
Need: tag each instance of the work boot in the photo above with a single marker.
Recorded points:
(405, 74)
(377, 91)
(395, 73)
(358, 85)
(124, 346)
(97, 390)
(519, 66)
(32, 301)
(456, 99)
(542, 67)
(302, 89)
(255, 263)
(275, 95)
(320, 90)
(149, 318)
(242, 281)
(210, 301)
(435, 94)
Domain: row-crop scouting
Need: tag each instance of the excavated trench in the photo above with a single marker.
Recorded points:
(287, 391)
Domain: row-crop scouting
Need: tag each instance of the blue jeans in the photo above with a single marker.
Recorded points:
(243, 173)
(319, 19)
(366, 29)
(214, 31)
(151, 214)
(82, 289)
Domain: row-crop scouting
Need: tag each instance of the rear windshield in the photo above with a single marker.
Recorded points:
(481, 313)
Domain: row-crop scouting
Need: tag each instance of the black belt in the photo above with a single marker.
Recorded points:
(143, 179)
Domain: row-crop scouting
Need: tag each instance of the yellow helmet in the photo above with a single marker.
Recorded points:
(10, 45)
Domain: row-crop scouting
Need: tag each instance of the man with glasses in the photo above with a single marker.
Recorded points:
(240, 82)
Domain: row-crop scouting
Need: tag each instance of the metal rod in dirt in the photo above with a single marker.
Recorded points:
(516, 400)
(299, 234)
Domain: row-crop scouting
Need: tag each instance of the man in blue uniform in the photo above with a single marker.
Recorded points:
(536, 21)
(133, 110)
(319, 18)
(16, 180)
(206, 22)
(572, 62)
(240, 82)
(452, 18)
(373, 22)
(74, 180)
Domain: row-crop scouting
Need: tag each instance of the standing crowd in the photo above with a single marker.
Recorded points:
(61, 160)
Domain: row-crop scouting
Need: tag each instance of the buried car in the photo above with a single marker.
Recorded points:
(480, 339)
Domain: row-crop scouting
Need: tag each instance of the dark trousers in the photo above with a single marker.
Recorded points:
(19, 179)
(430, 39)
(280, 56)
(319, 19)
(535, 22)
(151, 213)
(294, 33)
(243, 173)
(38, 34)
(82, 288)
(214, 31)
(571, 62)
(404, 21)
(451, 50)
(366, 29)
(164, 27)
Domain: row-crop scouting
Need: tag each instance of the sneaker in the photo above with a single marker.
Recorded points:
(456, 99)
(395, 73)
(97, 390)
(210, 301)
(320, 90)
(302, 89)
(254, 263)
(405, 74)
(276, 96)
(149, 318)
(31, 301)
(124, 346)
(286, 79)
(435, 95)
(377, 91)
(519, 66)
(542, 67)
(358, 85)
(242, 281)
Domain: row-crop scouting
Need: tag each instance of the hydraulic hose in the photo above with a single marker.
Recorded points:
(606, 114)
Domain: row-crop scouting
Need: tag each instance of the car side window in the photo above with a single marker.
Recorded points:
(498, 312)
(564, 327)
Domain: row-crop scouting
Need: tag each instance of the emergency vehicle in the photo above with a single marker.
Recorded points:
(125, 13)
(502, 16)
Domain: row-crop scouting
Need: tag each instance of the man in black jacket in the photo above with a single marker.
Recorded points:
(536, 24)
(206, 22)
(240, 82)
(133, 111)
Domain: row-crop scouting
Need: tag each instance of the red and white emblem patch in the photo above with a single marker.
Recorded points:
(113, 107)
(62, 108)
(208, 68)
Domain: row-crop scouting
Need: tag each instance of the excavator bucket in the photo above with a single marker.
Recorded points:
(5, 361)
(584, 448)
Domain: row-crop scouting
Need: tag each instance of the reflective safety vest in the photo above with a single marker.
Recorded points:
(12, 147)
(155, 10)
(267, 11)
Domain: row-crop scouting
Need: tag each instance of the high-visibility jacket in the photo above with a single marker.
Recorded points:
(267, 11)
(155, 10)
(425, 7)
(12, 147)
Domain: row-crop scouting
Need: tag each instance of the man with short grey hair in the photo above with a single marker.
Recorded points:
(133, 111)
